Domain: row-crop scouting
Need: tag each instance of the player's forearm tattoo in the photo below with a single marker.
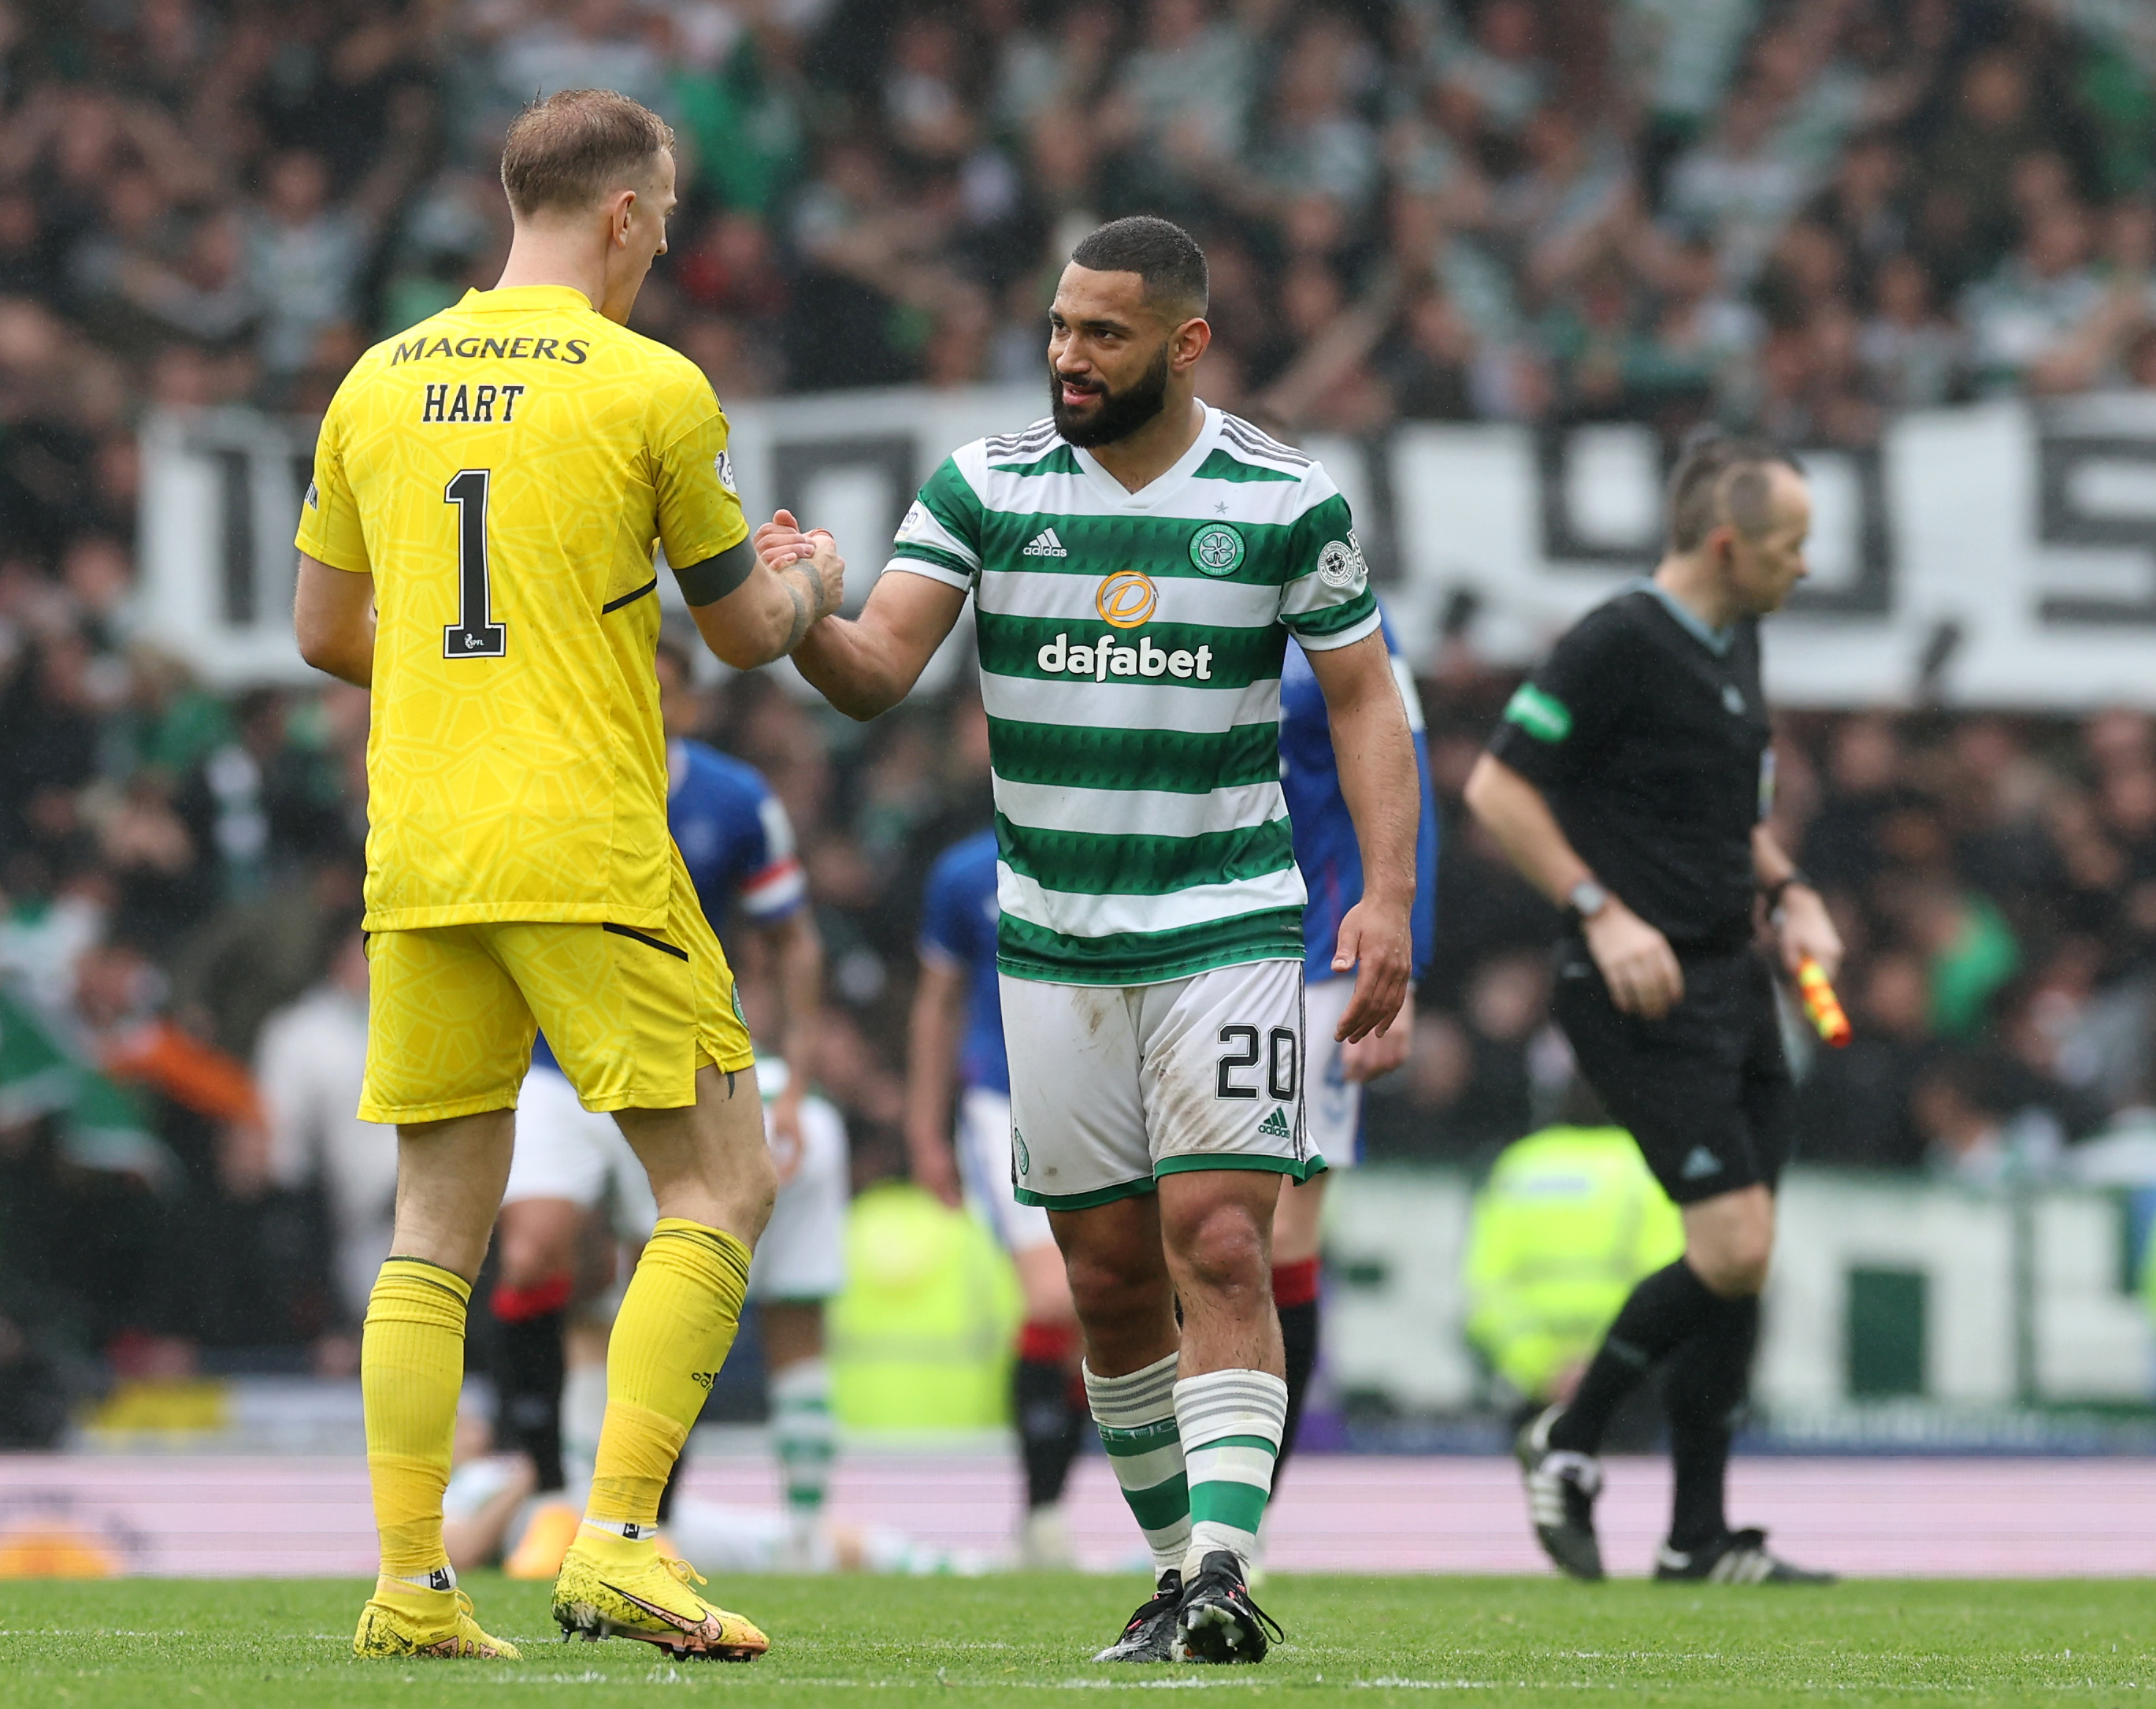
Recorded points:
(804, 610)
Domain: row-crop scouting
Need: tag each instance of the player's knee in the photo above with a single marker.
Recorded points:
(757, 1187)
(1218, 1246)
(1108, 1289)
(1734, 1264)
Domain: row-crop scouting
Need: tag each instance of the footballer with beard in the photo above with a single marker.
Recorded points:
(1139, 562)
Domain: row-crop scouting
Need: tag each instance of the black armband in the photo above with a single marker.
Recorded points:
(707, 583)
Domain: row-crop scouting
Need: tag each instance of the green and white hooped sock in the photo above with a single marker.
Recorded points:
(1136, 1416)
(803, 1435)
(1230, 1423)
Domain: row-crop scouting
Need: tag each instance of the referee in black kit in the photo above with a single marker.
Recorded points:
(1629, 780)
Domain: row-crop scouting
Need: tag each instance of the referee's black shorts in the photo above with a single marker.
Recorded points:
(1705, 1089)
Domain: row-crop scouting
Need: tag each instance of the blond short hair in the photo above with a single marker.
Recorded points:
(566, 152)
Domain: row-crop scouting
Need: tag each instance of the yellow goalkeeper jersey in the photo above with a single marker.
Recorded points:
(505, 470)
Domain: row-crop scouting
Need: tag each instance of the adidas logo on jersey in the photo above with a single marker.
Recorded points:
(1275, 1126)
(1044, 544)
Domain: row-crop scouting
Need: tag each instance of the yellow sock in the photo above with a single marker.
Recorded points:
(411, 1368)
(676, 1321)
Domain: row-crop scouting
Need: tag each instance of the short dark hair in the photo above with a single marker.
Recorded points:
(1159, 251)
(567, 151)
(1722, 477)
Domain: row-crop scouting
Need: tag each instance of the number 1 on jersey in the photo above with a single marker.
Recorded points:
(475, 634)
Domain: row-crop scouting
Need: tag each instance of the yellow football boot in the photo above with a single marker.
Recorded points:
(545, 1545)
(402, 1620)
(612, 1587)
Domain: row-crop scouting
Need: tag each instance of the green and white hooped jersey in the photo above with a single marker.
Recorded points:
(1130, 647)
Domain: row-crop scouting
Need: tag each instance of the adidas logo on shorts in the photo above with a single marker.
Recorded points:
(1700, 1164)
(1044, 544)
(1275, 1126)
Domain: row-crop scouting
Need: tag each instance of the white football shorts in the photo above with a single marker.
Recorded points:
(1334, 1102)
(985, 1169)
(1114, 1086)
(566, 1152)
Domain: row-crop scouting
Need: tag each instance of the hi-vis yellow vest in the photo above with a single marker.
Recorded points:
(922, 1337)
(1569, 1221)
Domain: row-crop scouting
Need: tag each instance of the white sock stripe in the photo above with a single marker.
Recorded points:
(1212, 1534)
(1131, 1402)
(1147, 1471)
(1231, 1465)
(1252, 1389)
(1198, 1432)
(1168, 1547)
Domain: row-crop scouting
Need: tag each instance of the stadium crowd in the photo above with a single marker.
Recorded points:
(1794, 217)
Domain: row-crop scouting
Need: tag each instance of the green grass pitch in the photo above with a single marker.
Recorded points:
(887, 1644)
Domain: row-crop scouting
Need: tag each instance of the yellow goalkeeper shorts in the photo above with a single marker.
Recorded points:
(631, 1015)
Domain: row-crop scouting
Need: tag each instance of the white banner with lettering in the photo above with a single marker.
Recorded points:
(2001, 555)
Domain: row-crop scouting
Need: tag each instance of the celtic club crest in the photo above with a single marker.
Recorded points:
(1216, 549)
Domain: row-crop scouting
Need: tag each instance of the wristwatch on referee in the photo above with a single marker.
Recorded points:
(1584, 900)
(1773, 893)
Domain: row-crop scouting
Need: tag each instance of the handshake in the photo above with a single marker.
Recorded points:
(781, 546)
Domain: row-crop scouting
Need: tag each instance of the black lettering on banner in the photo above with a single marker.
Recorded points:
(1564, 540)
(890, 460)
(1282, 1085)
(475, 634)
(2065, 517)
(1867, 590)
(1225, 1085)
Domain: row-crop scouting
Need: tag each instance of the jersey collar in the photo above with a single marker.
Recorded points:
(525, 297)
(1156, 491)
(1716, 641)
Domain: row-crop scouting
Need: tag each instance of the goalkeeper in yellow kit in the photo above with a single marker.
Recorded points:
(476, 547)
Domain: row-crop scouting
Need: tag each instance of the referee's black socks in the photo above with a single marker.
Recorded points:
(1294, 1298)
(1662, 1313)
(1703, 1391)
(528, 1375)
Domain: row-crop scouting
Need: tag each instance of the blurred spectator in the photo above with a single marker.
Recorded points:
(1973, 1130)
(1853, 1107)
(258, 803)
(2020, 317)
(309, 1064)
